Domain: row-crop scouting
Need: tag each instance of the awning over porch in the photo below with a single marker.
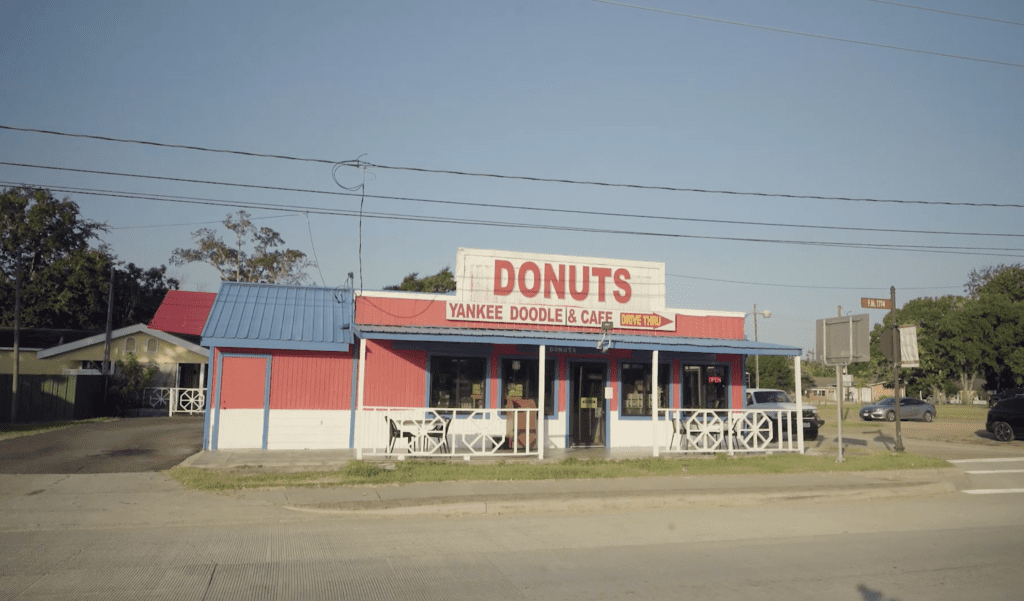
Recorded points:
(572, 339)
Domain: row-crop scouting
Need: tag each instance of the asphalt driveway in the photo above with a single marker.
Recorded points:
(137, 444)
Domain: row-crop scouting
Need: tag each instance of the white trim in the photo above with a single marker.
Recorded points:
(698, 313)
(995, 472)
(993, 491)
(987, 460)
(139, 328)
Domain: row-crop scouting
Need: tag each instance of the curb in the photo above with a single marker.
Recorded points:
(575, 504)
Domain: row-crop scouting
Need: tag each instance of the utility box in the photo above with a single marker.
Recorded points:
(843, 340)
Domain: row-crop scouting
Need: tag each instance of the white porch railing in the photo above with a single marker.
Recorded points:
(394, 431)
(176, 400)
(729, 431)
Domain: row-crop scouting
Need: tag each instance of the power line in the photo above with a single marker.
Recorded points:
(948, 12)
(693, 277)
(982, 251)
(361, 165)
(524, 208)
(811, 35)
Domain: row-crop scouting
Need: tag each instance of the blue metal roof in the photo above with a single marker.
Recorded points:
(274, 316)
(537, 337)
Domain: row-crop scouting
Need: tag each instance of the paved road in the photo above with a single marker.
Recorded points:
(993, 475)
(141, 444)
(949, 546)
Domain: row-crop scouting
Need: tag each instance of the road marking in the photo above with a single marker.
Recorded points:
(992, 491)
(994, 459)
(995, 472)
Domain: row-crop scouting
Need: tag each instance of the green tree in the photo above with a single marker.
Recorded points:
(442, 281)
(777, 372)
(263, 263)
(49, 243)
(138, 293)
(129, 383)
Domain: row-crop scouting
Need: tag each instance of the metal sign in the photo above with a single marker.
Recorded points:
(843, 340)
(875, 303)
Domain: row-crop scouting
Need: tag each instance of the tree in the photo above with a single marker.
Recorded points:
(138, 293)
(442, 281)
(233, 263)
(48, 242)
(777, 372)
(129, 384)
(1009, 279)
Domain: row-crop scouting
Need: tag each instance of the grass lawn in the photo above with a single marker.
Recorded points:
(16, 430)
(360, 472)
(953, 423)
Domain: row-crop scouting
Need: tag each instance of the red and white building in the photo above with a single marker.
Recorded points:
(532, 352)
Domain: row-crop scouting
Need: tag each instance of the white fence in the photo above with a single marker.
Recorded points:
(729, 431)
(392, 431)
(176, 400)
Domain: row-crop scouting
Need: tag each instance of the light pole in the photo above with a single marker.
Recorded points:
(757, 362)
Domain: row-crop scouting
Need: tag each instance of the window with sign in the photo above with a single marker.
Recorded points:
(637, 391)
(519, 383)
(457, 382)
(705, 386)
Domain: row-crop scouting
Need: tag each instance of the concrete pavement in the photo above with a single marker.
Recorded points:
(491, 497)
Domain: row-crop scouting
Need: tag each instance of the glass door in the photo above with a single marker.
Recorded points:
(588, 410)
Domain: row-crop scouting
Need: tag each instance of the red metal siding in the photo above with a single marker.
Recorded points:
(244, 381)
(311, 380)
(736, 385)
(394, 378)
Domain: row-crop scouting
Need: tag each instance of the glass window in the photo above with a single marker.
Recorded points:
(457, 382)
(706, 386)
(519, 383)
(129, 345)
(152, 345)
(637, 390)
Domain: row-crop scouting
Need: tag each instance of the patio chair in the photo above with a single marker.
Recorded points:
(441, 434)
(395, 433)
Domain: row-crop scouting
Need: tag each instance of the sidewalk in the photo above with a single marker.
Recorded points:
(493, 497)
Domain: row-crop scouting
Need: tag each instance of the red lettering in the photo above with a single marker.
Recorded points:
(553, 281)
(582, 293)
(601, 273)
(625, 291)
(502, 269)
(529, 267)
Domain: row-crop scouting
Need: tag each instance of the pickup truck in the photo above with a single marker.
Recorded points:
(769, 398)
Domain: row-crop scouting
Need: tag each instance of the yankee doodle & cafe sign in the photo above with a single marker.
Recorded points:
(508, 287)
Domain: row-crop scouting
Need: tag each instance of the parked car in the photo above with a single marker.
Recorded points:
(769, 398)
(1005, 395)
(910, 408)
(1006, 419)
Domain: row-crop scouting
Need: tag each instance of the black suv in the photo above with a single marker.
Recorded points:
(1005, 395)
(1006, 419)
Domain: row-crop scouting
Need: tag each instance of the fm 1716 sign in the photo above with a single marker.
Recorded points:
(875, 303)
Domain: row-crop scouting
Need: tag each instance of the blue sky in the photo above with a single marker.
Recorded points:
(564, 89)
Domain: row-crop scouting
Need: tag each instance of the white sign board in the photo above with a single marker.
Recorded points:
(508, 287)
(908, 347)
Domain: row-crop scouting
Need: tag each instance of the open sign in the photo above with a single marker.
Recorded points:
(714, 379)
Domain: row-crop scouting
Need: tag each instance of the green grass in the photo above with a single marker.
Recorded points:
(362, 473)
(17, 430)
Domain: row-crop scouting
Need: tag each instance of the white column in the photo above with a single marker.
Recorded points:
(541, 400)
(360, 422)
(799, 403)
(654, 401)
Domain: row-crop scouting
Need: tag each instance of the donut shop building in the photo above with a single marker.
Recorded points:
(531, 352)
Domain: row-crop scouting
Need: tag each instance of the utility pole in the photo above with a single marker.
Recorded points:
(17, 339)
(106, 344)
(896, 367)
(839, 401)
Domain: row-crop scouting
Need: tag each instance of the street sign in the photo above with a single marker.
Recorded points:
(875, 303)
(843, 340)
(906, 346)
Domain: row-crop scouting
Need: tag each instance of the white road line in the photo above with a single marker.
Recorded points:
(994, 459)
(992, 491)
(995, 472)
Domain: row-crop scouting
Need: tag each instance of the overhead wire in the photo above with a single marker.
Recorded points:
(812, 35)
(527, 208)
(983, 251)
(949, 12)
(357, 163)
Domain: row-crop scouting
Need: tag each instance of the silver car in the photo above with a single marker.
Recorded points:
(910, 408)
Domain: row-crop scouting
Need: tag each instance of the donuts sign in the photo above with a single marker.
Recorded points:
(506, 287)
